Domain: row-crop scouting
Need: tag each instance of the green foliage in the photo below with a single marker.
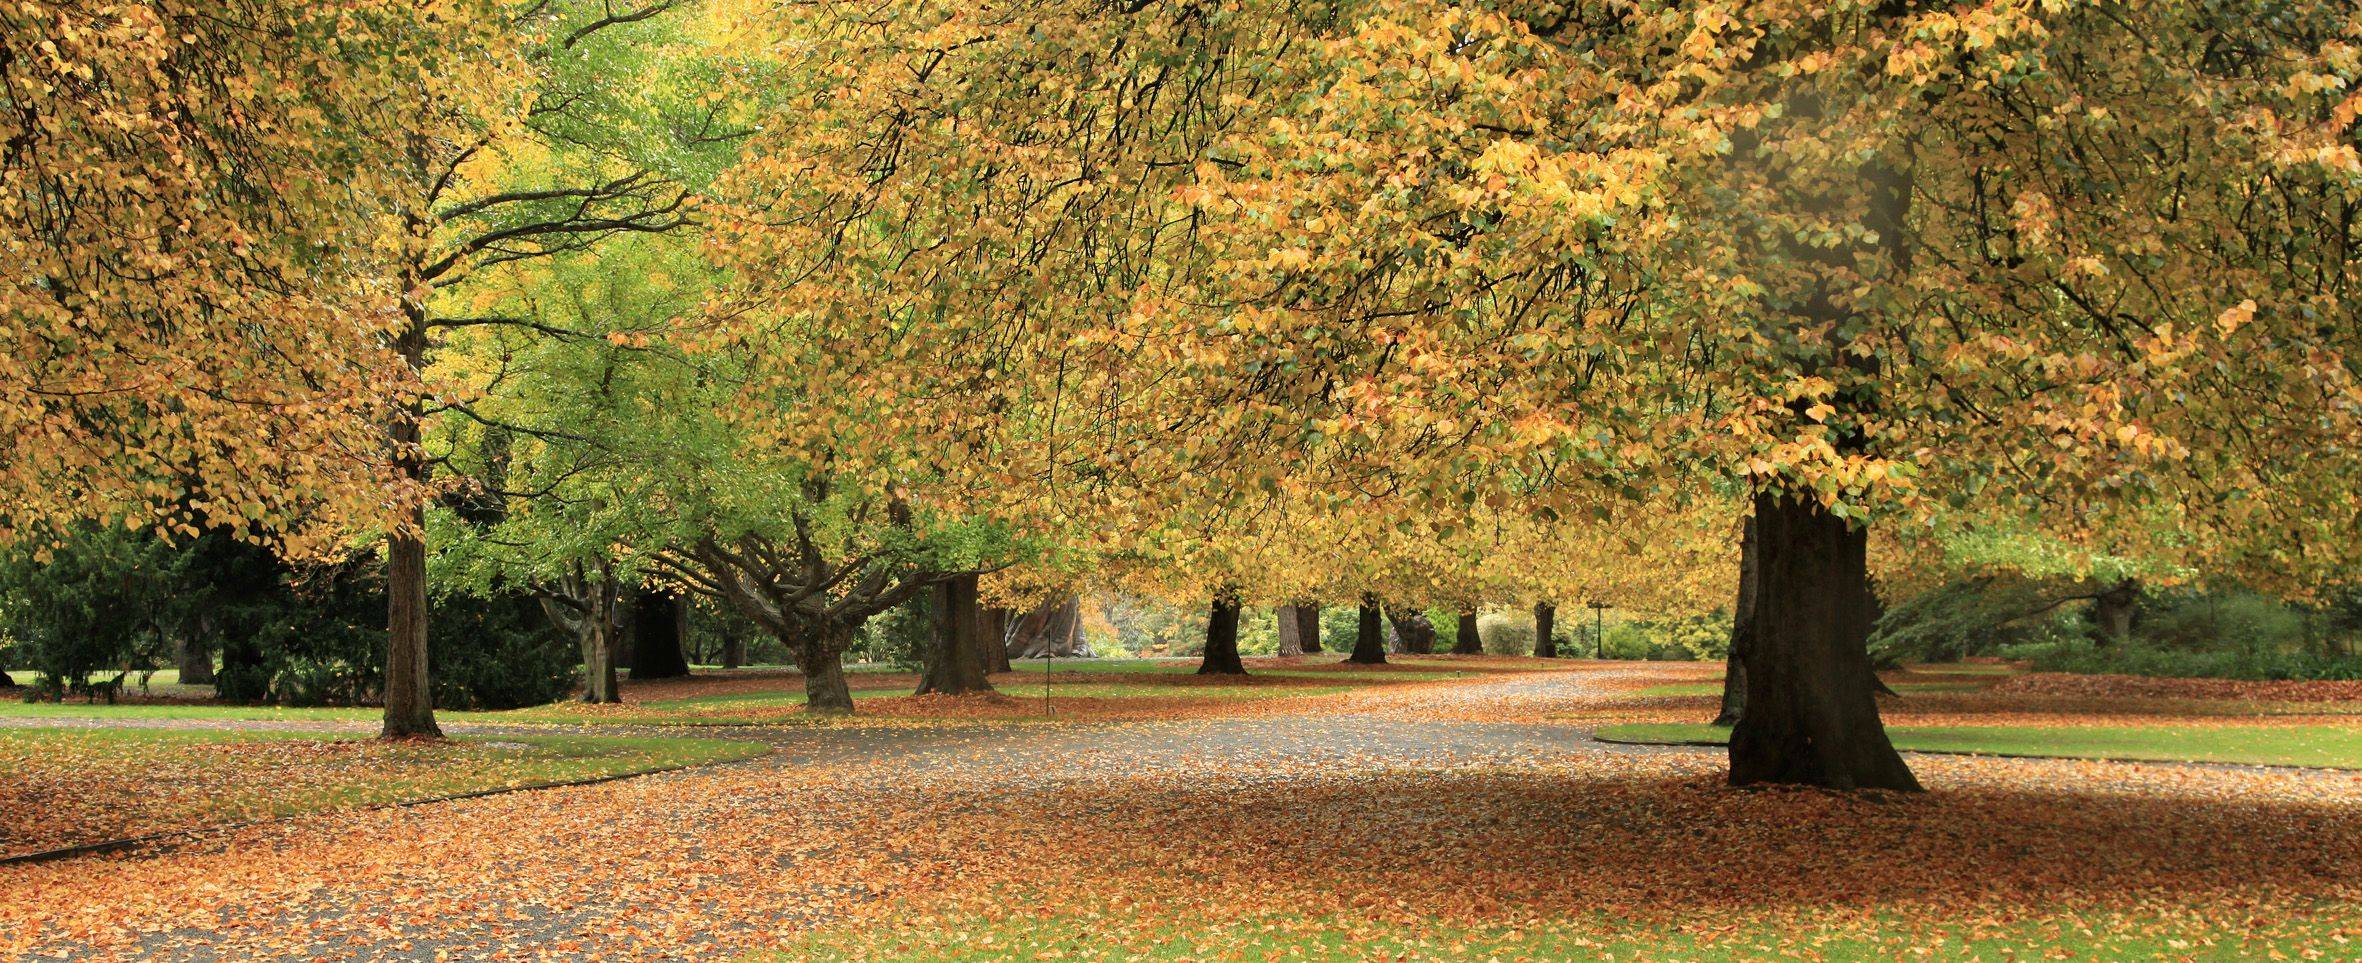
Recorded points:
(102, 601)
(1688, 638)
(1506, 633)
(1973, 616)
(2141, 657)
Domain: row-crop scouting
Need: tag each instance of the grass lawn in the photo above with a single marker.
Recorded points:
(1255, 936)
(2338, 747)
(61, 787)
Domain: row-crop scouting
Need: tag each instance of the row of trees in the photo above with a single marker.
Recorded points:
(809, 311)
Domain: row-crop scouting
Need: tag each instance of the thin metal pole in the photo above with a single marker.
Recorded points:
(1598, 632)
(1048, 655)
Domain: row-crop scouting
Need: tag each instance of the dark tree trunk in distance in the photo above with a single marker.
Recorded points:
(733, 648)
(996, 639)
(1291, 630)
(656, 637)
(955, 660)
(1468, 642)
(1545, 622)
(1812, 711)
(2113, 611)
(1418, 634)
(194, 658)
(1308, 626)
(1222, 641)
(1369, 636)
(1742, 629)
(1053, 629)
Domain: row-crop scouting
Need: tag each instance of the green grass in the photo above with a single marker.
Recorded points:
(81, 710)
(1265, 936)
(2335, 747)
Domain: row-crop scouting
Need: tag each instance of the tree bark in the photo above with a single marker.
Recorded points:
(825, 691)
(1308, 626)
(1468, 642)
(1418, 634)
(2114, 610)
(1291, 630)
(996, 640)
(1545, 623)
(657, 634)
(1812, 712)
(1054, 629)
(194, 658)
(1369, 636)
(1222, 640)
(733, 648)
(955, 662)
(1742, 629)
(409, 690)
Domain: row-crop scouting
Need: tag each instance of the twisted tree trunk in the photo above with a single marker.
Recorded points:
(1291, 631)
(823, 662)
(1545, 623)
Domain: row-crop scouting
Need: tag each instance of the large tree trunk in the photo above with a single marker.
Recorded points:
(1545, 623)
(1369, 636)
(194, 658)
(1308, 626)
(996, 640)
(409, 693)
(955, 660)
(657, 634)
(1742, 629)
(825, 691)
(1222, 640)
(733, 647)
(409, 690)
(2114, 610)
(597, 639)
(1418, 634)
(1052, 630)
(1812, 711)
(1468, 642)
(1291, 630)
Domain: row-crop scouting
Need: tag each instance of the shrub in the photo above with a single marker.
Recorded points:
(1506, 633)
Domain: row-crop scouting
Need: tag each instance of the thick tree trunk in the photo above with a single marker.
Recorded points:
(1545, 623)
(1742, 629)
(409, 690)
(597, 639)
(955, 660)
(1308, 626)
(733, 648)
(657, 634)
(409, 693)
(1418, 634)
(1222, 641)
(1054, 629)
(1468, 642)
(194, 658)
(1369, 636)
(1291, 630)
(2114, 610)
(825, 691)
(996, 640)
(1812, 712)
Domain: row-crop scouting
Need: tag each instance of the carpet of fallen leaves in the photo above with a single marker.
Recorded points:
(69, 787)
(1389, 808)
